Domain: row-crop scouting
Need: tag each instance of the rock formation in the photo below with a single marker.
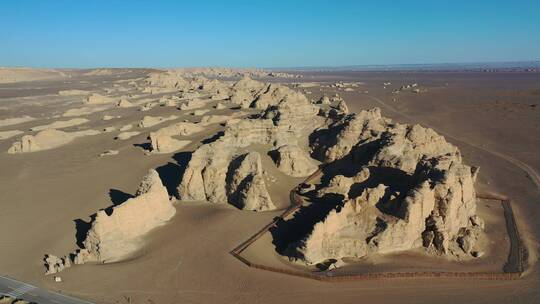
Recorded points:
(162, 140)
(294, 161)
(409, 189)
(287, 118)
(96, 98)
(246, 188)
(150, 121)
(46, 139)
(115, 235)
(124, 103)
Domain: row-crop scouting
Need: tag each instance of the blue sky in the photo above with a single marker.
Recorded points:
(276, 33)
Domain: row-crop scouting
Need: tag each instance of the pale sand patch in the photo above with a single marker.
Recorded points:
(126, 128)
(127, 135)
(84, 111)
(61, 124)
(15, 120)
(73, 92)
(9, 134)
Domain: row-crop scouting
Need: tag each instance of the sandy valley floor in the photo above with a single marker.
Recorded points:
(494, 118)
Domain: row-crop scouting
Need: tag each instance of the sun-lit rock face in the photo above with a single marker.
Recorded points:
(116, 235)
(205, 177)
(408, 188)
(293, 161)
(385, 187)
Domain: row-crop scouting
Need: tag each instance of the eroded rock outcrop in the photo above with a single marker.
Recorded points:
(96, 98)
(246, 187)
(409, 189)
(205, 177)
(47, 139)
(293, 161)
(150, 121)
(115, 233)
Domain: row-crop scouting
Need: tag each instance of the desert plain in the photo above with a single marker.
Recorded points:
(111, 127)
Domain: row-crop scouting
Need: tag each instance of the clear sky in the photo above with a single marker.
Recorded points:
(86, 33)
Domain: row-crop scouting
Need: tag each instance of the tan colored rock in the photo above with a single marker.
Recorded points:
(220, 106)
(293, 161)
(116, 236)
(165, 144)
(47, 139)
(124, 103)
(436, 211)
(148, 106)
(246, 187)
(324, 100)
(109, 153)
(96, 98)
(200, 112)
(150, 121)
(192, 104)
(54, 264)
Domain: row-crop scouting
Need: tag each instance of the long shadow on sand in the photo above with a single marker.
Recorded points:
(118, 197)
(171, 175)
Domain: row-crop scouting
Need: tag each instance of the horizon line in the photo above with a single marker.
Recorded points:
(508, 64)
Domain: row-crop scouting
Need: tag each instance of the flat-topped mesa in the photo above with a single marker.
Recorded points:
(424, 195)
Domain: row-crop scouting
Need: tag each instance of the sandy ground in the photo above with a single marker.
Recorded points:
(494, 118)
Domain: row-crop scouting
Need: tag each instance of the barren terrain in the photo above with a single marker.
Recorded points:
(49, 193)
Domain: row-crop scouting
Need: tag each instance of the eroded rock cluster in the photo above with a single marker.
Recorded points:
(390, 187)
(397, 187)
